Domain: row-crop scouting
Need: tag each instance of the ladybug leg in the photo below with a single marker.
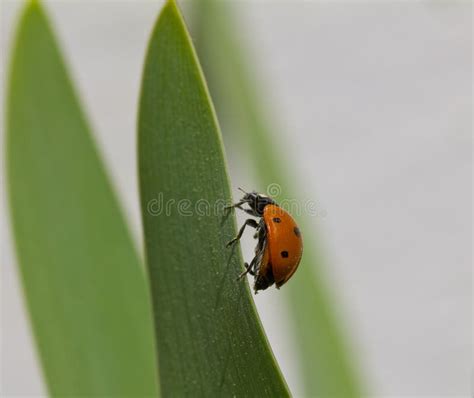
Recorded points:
(251, 222)
(248, 270)
(248, 211)
(238, 205)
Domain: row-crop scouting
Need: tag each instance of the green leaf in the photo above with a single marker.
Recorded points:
(209, 337)
(85, 289)
(325, 355)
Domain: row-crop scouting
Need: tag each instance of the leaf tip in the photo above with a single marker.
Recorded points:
(31, 7)
(32, 11)
(171, 3)
(173, 7)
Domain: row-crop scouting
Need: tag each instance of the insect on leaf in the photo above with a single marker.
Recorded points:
(326, 361)
(209, 338)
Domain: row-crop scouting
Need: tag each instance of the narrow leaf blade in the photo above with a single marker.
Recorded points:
(84, 286)
(209, 338)
(326, 360)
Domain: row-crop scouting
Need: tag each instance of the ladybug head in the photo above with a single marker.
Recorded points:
(257, 201)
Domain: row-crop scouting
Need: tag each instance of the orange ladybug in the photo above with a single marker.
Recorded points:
(280, 244)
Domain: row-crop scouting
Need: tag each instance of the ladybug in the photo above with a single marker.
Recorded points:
(280, 244)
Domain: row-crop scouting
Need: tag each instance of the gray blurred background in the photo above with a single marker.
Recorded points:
(373, 103)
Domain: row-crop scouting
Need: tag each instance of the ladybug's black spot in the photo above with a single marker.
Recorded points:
(297, 231)
(277, 220)
(284, 254)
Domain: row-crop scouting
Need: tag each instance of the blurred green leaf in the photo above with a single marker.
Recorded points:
(85, 289)
(209, 338)
(326, 358)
